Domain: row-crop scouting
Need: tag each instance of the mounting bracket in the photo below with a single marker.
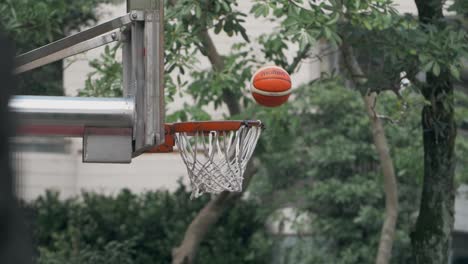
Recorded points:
(113, 129)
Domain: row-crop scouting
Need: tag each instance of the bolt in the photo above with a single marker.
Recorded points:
(134, 15)
(114, 36)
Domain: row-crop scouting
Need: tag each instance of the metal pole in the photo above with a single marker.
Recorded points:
(73, 40)
(154, 88)
(143, 71)
(69, 116)
(67, 52)
(137, 87)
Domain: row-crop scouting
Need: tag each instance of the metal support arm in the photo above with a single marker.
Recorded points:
(73, 50)
(74, 44)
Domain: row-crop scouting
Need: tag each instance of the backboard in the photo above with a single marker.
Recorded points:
(114, 130)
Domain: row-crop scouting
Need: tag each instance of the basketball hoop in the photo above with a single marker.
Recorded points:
(215, 152)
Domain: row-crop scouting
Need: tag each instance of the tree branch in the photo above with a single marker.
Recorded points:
(217, 61)
(302, 54)
(387, 235)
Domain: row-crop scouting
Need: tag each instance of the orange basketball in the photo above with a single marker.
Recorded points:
(271, 86)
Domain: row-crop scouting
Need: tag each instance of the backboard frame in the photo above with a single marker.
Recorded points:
(141, 31)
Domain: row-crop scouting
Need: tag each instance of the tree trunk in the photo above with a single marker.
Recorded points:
(432, 235)
(199, 227)
(206, 219)
(387, 235)
(217, 61)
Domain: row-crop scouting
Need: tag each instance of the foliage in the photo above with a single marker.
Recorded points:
(318, 154)
(208, 86)
(388, 43)
(130, 228)
(461, 7)
(332, 155)
(106, 78)
(223, 82)
(391, 48)
(32, 23)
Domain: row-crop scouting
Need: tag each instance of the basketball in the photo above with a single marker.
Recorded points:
(271, 86)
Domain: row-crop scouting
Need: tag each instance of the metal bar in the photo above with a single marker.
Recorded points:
(127, 62)
(69, 116)
(154, 88)
(73, 50)
(137, 86)
(161, 114)
(75, 39)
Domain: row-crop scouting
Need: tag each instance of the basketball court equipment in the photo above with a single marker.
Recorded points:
(271, 86)
(215, 152)
(115, 130)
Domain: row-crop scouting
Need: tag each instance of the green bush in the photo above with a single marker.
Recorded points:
(144, 228)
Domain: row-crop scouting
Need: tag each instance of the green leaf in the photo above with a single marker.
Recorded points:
(244, 35)
(290, 21)
(367, 24)
(260, 9)
(198, 11)
(226, 7)
(436, 69)
(305, 39)
(218, 27)
(455, 72)
(327, 33)
(333, 20)
(423, 58)
(357, 4)
(428, 66)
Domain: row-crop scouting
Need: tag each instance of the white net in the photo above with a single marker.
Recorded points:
(216, 160)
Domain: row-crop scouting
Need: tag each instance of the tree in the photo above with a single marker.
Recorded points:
(106, 78)
(359, 79)
(333, 171)
(391, 48)
(432, 235)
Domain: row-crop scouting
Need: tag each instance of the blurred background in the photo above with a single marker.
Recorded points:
(317, 193)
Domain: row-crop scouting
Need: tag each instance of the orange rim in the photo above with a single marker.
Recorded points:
(207, 126)
(200, 126)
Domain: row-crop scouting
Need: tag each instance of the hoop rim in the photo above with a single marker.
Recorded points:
(203, 127)
(208, 126)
